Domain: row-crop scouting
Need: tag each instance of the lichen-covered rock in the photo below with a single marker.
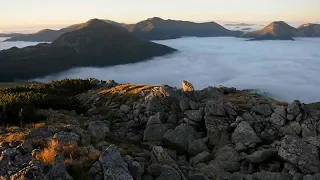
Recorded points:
(217, 130)
(245, 134)
(263, 109)
(305, 156)
(294, 108)
(215, 108)
(67, 137)
(227, 159)
(136, 170)
(98, 130)
(195, 115)
(154, 130)
(113, 165)
(31, 172)
(180, 137)
(277, 120)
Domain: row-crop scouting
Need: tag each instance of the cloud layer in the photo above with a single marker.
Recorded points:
(286, 69)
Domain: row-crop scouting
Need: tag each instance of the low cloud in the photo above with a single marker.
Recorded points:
(288, 70)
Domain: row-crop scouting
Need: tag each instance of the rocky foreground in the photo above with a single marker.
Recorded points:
(139, 132)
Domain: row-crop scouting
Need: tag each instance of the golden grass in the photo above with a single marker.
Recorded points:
(18, 136)
(47, 155)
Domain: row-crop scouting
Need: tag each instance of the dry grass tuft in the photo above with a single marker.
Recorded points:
(19, 136)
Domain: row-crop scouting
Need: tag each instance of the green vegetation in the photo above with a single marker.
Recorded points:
(17, 103)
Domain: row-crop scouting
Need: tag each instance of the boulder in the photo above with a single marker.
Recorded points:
(184, 104)
(303, 155)
(294, 108)
(263, 109)
(197, 146)
(58, 170)
(281, 110)
(31, 172)
(136, 170)
(67, 137)
(227, 159)
(98, 131)
(113, 165)
(154, 130)
(265, 175)
(277, 120)
(215, 108)
(217, 130)
(214, 172)
(262, 155)
(202, 157)
(195, 115)
(180, 137)
(245, 134)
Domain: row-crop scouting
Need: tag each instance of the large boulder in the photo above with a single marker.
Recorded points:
(217, 130)
(58, 170)
(263, 109)
(67, 137)
(294, 108)
(113, 165)
(197, 146)
(303, 155)
(227, 159)
(215, 108)
(98, 131)
(180, 137)
(195, 115)
(245, 134)
(155, 130)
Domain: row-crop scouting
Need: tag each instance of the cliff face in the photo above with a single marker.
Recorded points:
(131, 131)
(94, 43)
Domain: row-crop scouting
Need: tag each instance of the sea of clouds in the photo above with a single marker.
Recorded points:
(287, 70)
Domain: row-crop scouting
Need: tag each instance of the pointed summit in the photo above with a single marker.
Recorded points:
(278, 30)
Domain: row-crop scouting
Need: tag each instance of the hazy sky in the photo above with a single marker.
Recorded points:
(37, 14)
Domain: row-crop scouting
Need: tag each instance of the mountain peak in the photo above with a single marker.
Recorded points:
(93, 23)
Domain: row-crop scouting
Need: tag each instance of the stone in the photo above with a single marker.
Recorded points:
(197, 146)
(58, 170)
(96, 171)
(113, 165)
(277, 120)
(180, 137)
(125, 109)
(169, 174)
(184, 104)
(201, 158)
(197, 176)
(193, 105)
(136, 170)
(263, 109)
(67, 137)
(98, 131)
(217, 131)
(261, 156)
(154, 130)
(215, 108)
(191, 122)
(273, 166)
(314, 140)
(265, 175)
(245, 134)
(281, 110)
(227, 159)
(229, 109)
(305, 156)
(240, 147)
(294, 108)
(214, 172)
(32, 171)
(195, 115)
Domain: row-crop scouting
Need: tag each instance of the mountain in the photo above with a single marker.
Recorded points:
(10, 34)
(308, 30)
(277, 30)
(94, 43)
(49, 35)
(160, 29)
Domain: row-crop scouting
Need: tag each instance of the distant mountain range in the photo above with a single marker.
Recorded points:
(150, 29)
(160, 29)
(94, 43)
(10, 34)
(280, 30)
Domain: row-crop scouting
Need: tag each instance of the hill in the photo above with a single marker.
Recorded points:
(94, 43)
(160, 29)
(92, 129)
(10, 34)
(277, 30)
(308, 30)
(49, 35)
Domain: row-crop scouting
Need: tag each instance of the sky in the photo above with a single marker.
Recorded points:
(32, 15)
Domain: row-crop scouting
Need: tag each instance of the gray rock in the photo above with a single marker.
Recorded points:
(281, 110)
(58, 170)
(227, 159)
(314, 140)
(155, 130)
(217, 131)
(136, 170)
(294, 108)
(147, 177)
(240, 147)
(195, 115)
(125, 109)
(264, 175)
(201, 158)
(245, 134)
(309, 177)
(169, 174)
(184, 104)
(193, 105)
(197, 146)
(273, 166)
(67, 137)
(197, 176)
(31, 172)
(113, 166)
(96, 171)
(263, 109)
(261, 156)
(215, 108)
(191, 122)
(98, 130)
(214, 172)
(305, 156)
(277, 120)
(230, 109)
(180, 137)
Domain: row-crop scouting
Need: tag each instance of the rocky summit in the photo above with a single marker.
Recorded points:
(141, 132)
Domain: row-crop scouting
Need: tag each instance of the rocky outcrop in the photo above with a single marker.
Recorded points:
(159, 132)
